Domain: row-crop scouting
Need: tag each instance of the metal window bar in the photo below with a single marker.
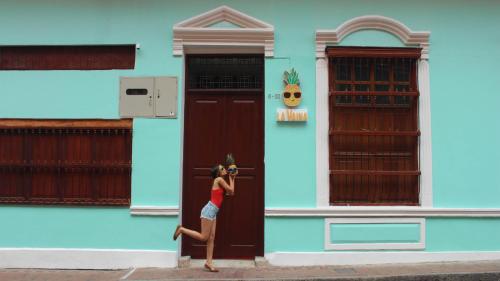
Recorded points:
(23, 163)
(226, 72)
(357, 161)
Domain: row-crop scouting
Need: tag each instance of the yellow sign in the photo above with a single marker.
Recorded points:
(287, 115)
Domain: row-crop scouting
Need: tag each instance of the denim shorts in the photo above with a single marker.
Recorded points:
(209, 211)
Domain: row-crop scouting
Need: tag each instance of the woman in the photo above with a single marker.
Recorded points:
(209, 212)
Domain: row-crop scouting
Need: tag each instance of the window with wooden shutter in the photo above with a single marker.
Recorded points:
(374, 135)
(91, 57)
(72, 162)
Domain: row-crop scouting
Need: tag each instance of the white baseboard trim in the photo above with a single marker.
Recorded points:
(154, 210)
(358, 258)
(85, 258)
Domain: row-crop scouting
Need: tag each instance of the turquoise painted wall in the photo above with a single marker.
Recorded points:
(83, 227)
(464, 63)
(342, 233)
(369, 38)
(463, 234)
(294, 235)
(155, 158)
(442, 234)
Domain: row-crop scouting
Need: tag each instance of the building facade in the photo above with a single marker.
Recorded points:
(376, 146)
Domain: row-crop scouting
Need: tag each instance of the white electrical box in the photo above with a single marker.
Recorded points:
(148, 97)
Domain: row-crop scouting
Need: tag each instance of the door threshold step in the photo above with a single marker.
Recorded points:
(197, 263)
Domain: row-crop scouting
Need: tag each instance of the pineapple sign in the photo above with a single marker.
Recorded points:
(292, 96)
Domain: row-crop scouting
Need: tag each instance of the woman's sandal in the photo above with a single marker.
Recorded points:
(177, 232)
(211, 268)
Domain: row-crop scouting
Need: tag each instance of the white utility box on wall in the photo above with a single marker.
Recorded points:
(148, 97)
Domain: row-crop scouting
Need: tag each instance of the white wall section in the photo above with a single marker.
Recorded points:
(85, 258)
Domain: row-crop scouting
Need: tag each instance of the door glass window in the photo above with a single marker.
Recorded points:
(225, 72)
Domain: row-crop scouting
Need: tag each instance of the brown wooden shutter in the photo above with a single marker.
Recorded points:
(82, 162)
(373, 126)
(97, 57)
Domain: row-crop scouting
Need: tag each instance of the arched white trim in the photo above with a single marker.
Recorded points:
(408, 37)
(198, 32)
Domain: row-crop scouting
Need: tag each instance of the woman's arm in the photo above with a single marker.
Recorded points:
(231, 184)
(228, 187)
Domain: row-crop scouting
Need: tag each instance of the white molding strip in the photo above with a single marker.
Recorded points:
(420, 245)
(322, 137)
(197, 31)
(370, 257)
(342, 211)
(382, 212)
(154, 210)
(197, 49)
(425, 153)
(84, 258)
(409, 38)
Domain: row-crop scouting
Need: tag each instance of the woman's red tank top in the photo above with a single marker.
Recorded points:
(216, 196)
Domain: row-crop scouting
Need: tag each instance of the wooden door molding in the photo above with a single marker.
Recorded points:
(216, 122)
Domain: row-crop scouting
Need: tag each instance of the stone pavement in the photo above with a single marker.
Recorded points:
(470, 271)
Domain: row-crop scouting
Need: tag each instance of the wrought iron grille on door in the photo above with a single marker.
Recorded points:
(225, 72)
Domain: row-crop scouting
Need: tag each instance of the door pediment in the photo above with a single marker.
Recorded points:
(223, 27)
(224, 24)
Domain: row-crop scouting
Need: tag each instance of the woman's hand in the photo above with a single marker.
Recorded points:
(231, 183)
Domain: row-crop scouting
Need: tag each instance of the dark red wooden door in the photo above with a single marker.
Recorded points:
(216, 123)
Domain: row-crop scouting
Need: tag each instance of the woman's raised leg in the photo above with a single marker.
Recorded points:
(206, 226)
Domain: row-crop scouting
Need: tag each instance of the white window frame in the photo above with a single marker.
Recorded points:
(410, 38)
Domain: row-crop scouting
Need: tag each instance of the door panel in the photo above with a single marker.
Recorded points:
(246, 143)
(217, 123)
(200, 150)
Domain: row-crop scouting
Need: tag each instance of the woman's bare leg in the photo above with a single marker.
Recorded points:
(206, 226)
(210, 244)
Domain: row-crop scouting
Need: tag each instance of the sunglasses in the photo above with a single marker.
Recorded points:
(296, 95)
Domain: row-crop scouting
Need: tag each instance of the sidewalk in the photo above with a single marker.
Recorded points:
(471, 271)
